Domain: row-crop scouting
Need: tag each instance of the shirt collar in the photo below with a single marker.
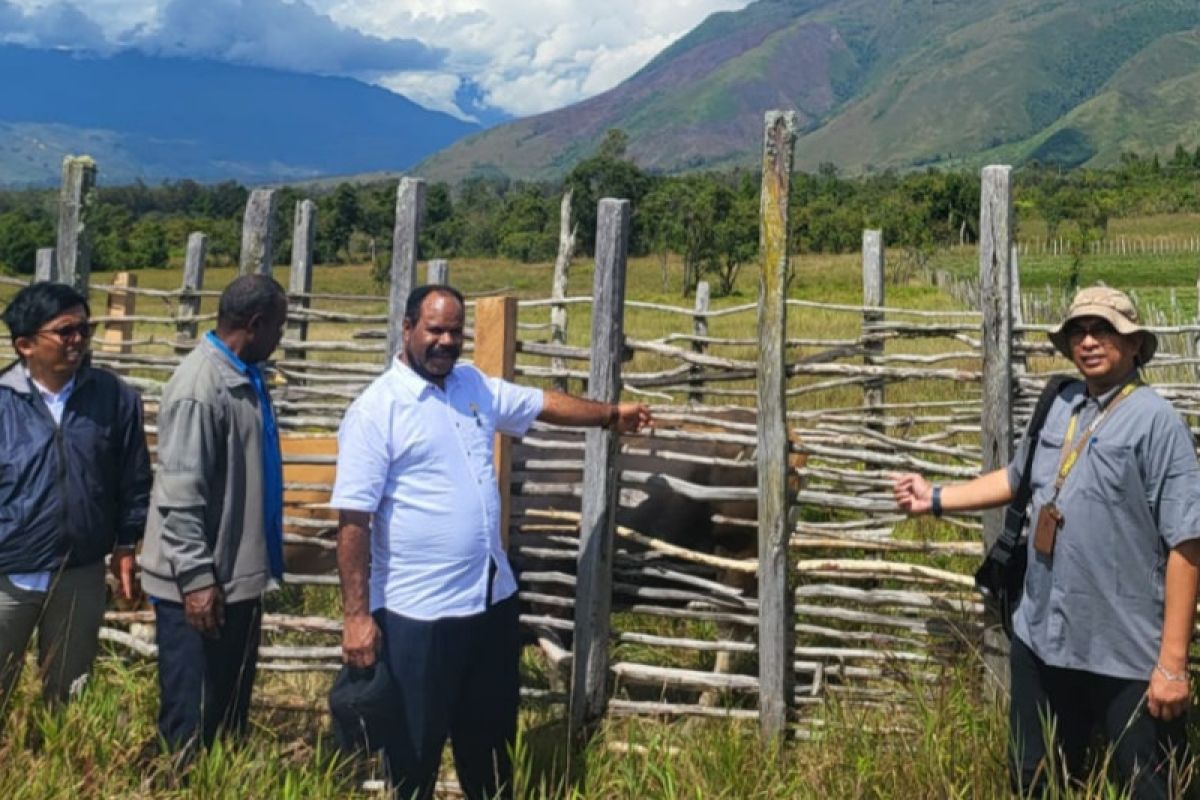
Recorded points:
(49, 396)
(1103, 400)
(223, 348)
(407, 377)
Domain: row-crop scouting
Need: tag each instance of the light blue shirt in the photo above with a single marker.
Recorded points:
(56, 402)
(419, 460)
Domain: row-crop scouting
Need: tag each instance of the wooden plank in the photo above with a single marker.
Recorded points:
(410, 214)
(589, 672)
(186, 328)
(700, 330)
(873, 297)
(496, 355)
(776, 628)
(1020, 361)
(558, 289)
(304, 230)
(76, 198)
(258, 233)
(46, 266)
(437, 272)
(120, 304)
(995, 289)
(996, 296)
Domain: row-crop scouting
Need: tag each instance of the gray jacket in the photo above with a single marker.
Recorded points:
(205, 523)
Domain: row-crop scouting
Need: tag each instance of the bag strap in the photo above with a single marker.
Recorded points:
(1014, 517)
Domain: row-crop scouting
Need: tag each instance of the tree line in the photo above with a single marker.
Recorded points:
(708, 221)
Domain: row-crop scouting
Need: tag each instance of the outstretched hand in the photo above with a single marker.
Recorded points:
(914, 494)
(632, 417)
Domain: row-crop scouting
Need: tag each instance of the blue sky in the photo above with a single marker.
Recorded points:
(467, 57)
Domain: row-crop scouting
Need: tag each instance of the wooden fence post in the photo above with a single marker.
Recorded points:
(776, 632)
(76, 196)
(120, 304)
(437, 273)
(186, 327)
(699, 329)
(996, 297)
(258, 233)
(558, 290)
(593, 595)
(304, 231)
(873, 297)
(46, 266)
(496, 355)
(1020, 360)
(410, 214)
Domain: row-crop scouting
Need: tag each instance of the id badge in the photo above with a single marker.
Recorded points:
(1048, 521)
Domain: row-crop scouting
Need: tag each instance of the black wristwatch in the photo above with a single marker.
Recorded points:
(936, 501)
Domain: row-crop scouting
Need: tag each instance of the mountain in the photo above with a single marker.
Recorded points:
(884, 84)
(154, 118)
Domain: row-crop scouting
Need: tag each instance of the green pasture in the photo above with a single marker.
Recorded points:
(945, 740)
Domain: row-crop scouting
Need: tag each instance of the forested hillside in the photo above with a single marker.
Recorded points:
(883, 84)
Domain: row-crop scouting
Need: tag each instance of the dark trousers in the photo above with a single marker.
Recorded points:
(1076, 702)
(456, 677)
(205, 682)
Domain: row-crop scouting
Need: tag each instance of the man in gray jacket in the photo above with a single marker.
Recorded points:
(214, 535)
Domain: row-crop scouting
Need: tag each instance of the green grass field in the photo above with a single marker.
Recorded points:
(947, 740)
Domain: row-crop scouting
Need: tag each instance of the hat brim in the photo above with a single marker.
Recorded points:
(1120, 323)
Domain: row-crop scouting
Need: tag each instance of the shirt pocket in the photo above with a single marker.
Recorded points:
(1045, 463)
(1105, 471)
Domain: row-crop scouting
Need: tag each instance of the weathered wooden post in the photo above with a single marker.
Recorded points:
(1020, 360)
(121, 303)
(304, 231)
(558, 290)
(186, 327)
(700, 330)
(258, 233)
(593, 594)
(410, 214)
(776, 632)
(873, 298)
(496, 355)
(76, 196)
(996, 297)
(437, 272)
(46, 266)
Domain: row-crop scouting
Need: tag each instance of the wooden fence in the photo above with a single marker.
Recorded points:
(791, 570)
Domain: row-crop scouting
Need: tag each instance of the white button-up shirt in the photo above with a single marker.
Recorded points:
(419, 459)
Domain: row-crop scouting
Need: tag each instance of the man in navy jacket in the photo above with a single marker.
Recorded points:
(74, 486)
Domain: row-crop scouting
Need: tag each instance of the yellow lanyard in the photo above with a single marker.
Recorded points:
(1069, 458)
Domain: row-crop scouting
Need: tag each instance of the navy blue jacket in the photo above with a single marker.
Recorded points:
(73, 491)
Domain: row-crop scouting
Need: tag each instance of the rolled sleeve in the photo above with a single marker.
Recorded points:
(1174, 470)
(515, 407)
(1016, 467)
(363, 461)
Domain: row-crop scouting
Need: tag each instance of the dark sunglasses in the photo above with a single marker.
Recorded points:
(1099, 331)
(84, 330)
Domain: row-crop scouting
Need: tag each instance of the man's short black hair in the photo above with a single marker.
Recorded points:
(246, 296)
(412, 309)
(37, 304)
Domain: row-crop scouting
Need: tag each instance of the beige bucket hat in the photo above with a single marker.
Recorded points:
(1110, 305)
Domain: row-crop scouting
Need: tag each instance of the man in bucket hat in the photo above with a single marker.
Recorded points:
(1101, 632)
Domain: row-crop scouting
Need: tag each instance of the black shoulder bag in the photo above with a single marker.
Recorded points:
(1001, 577)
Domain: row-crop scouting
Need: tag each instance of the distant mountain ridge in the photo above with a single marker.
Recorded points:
(883, 84)
(153, 118)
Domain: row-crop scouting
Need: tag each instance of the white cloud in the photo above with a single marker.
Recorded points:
(521, 56)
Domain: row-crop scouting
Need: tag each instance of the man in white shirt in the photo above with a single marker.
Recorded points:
(425, 582)
(74, 483)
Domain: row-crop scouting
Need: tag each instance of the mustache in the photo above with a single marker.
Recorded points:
(447, 352)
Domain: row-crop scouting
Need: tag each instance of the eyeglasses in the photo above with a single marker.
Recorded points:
(63, 333)
(1100, 331)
